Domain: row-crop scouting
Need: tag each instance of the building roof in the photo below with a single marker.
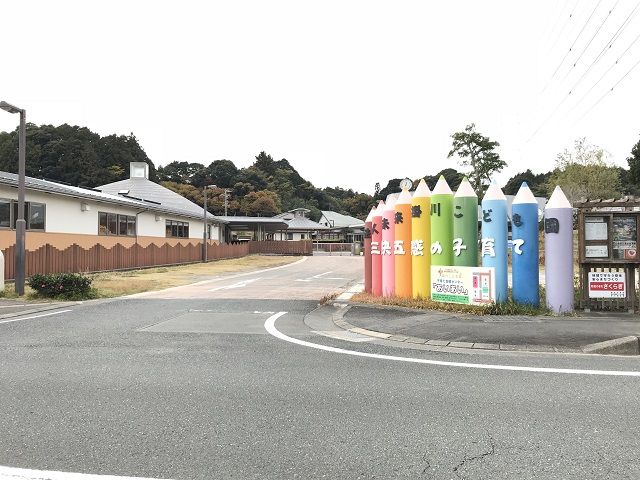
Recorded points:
(268, 223)
(337, 220)
(304, 223)
(169, 200)
(49, 186)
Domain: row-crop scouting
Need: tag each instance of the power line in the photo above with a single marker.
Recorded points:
(606, 72)
(591, 40)
(616, 35)
(608, 91)
(607, 45)
(559, 17)
(565, 24)
(572, 45)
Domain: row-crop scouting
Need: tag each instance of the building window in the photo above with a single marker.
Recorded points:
(289, 236)
(34, 214)
(302, 236)
(177, 229)
(118, 225)
(5, 213)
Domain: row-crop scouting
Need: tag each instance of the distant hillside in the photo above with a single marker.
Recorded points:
(77, 156)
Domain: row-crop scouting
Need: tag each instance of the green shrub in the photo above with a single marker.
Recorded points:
(65, 285)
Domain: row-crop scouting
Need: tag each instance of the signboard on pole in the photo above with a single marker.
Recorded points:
(607, 285)
(463, 285)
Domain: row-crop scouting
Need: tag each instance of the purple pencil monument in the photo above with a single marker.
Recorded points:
(558, 252)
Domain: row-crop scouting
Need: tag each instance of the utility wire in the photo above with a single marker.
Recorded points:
(572, 45)
(591, 40)
(564, 99)
(607, 45)
(608, 91)
(559, 17)
(606, 72)
(565, 25)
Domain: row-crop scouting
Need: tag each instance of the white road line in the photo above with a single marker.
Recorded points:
(315, 277)
(9, 473)
(270, 326)
(34, 316)
(204, 282)
(241, 284)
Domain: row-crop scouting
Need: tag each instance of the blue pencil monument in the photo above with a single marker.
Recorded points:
(525, 251)
(493, 246)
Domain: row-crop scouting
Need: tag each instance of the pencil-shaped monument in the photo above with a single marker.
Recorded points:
(402, 245)
(558, 252)
(525, 251)
(376, 245)
(421, 241)
(441, 225)
(367, 251)
(465, 226)
(494, 238)
(388, 236)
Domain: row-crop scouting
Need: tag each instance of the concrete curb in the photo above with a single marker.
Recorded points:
(45, 307)
(338, 320)
(618, 346)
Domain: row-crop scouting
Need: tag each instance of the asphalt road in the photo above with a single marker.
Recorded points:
(188, 384)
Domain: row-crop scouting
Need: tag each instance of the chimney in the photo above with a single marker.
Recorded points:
(139, 170)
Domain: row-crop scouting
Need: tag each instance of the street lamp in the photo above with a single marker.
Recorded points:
(204, 233)
(21, 224)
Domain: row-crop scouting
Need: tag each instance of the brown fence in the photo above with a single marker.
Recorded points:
(48, 259)
(299, 247)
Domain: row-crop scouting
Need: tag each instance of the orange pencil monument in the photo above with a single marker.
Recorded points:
(402, 244)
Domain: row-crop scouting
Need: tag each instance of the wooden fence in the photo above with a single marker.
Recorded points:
(275, 247)
(75, 259)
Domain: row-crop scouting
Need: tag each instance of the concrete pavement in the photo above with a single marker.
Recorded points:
(196, 388)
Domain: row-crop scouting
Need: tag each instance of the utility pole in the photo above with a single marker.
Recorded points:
(226, 199)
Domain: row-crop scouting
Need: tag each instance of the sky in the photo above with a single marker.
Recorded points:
(350, 92)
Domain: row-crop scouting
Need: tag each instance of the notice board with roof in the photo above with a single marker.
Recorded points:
(608, 232)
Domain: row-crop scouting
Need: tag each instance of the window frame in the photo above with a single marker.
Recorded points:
(119, 218)
(176, 229)
(13, 212)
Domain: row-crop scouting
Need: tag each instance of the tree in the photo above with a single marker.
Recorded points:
(634, 164)
(537, 183)
(477, 152)
(179, 172)
(223, 173)
(584, 173)
(263, 203)
(451, 175)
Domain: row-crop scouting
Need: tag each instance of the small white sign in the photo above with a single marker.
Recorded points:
(607, 285)
(596, 251)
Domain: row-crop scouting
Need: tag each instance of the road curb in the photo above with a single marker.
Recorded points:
(45, 307)
(343, 308)
(618, 346)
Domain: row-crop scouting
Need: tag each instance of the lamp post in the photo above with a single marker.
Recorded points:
(20, 222)
(204, 233)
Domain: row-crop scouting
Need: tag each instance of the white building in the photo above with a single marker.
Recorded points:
(134, 211)
(299, 227)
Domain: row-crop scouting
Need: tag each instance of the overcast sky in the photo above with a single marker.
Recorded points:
(350, 92)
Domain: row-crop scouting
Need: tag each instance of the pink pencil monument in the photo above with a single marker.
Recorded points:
(386, 249)
(367, 251)
(376, 243)
(558, 252)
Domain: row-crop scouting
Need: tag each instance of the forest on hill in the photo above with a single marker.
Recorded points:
(77, 156)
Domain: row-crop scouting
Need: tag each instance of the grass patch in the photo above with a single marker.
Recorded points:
(508, 308)
(115, 284)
